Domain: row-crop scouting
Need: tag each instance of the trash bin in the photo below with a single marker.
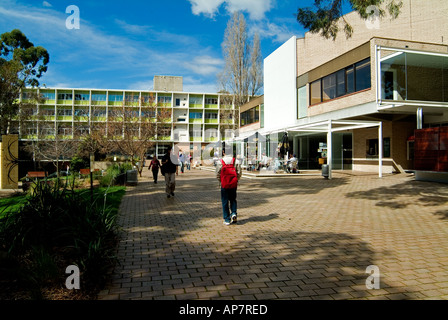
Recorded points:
(325, 171)
(131, 177)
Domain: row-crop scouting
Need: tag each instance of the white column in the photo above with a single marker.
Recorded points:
(329, 149)
(380, 151)
(420, 118)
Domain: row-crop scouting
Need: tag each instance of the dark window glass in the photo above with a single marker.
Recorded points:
(350, 74)
(363, 80)
(340, 80)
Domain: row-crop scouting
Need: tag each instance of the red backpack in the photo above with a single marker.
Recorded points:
(229, 177)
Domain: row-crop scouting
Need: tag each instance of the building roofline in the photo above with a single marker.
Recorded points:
(125, 90)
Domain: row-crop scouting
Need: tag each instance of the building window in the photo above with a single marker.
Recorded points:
(65, 96)
(372, 148)
(362, 73)
(211, 101)
(316, 93)
(329, 87)
(65, 112)
(164, 99)
(211, 116)
(134, 98)
(196, 100)
(345, 81)
(82, 97)
(48, 95)
(195, 115)
(98, 97)
(250, 116)
(115, 97)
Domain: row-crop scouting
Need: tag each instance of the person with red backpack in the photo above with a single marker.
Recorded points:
(228, 172)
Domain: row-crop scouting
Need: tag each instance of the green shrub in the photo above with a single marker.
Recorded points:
(115, 174)
(78, 163)
(57, 227)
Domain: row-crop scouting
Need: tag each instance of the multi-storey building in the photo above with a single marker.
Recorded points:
(357, 101)
(192, 120)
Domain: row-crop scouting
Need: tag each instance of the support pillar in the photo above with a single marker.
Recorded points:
(329, 150)
(380, 150)
(419, 118)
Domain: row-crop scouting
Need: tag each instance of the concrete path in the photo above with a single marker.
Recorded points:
(296, 238)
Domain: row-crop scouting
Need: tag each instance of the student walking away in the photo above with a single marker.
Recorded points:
(228, 172)
(154, 165)
(170, 170)
(188, 161)
(182, 161)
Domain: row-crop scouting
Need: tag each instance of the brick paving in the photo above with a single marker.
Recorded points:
(299, 237)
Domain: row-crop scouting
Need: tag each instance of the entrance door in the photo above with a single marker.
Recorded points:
(342, 151)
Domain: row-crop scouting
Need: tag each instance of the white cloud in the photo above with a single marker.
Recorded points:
(205, 65)
(277, 32)
(255, 8)
(206, 7)
(131, 28)
(47, 4)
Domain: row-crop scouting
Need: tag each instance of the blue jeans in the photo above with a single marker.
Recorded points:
(228, 196)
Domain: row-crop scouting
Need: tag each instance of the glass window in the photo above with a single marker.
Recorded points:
(316, 94)
(195, 115)
(302, 103)
(65, 96)
(372, 148)
(82, 97)
(211, 101)
(329, 87)
(115, 97)
(350, 79)
(211, 116)
(65, 112)
(195, 100)
(363, 79)
(98, 97)
(340, 83)
(48, 95)
(164, 99)
(133, 98)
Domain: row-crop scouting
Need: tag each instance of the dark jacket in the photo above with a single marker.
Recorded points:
(169, 166)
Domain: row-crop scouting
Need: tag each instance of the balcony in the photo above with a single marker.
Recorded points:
(409, 78)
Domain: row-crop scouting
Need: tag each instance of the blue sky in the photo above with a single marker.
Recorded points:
(124, 44)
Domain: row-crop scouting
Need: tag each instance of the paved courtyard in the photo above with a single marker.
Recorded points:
(299, 237)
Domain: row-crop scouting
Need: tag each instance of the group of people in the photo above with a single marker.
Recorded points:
(169, 168)
(289, 164)
(228, 172)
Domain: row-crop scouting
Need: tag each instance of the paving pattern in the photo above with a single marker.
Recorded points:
(299, 237)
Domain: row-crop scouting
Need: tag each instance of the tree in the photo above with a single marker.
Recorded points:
(242, 74)
(52, 143)
(133, 129)
(256, 67)
(329, 12)
(21, 64)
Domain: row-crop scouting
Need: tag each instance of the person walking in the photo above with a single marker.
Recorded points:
(170, 170)
(228, 172)
(182, 161)
(155, 165)
(188, 162)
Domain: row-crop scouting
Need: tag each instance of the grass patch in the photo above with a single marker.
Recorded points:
(12, 203)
